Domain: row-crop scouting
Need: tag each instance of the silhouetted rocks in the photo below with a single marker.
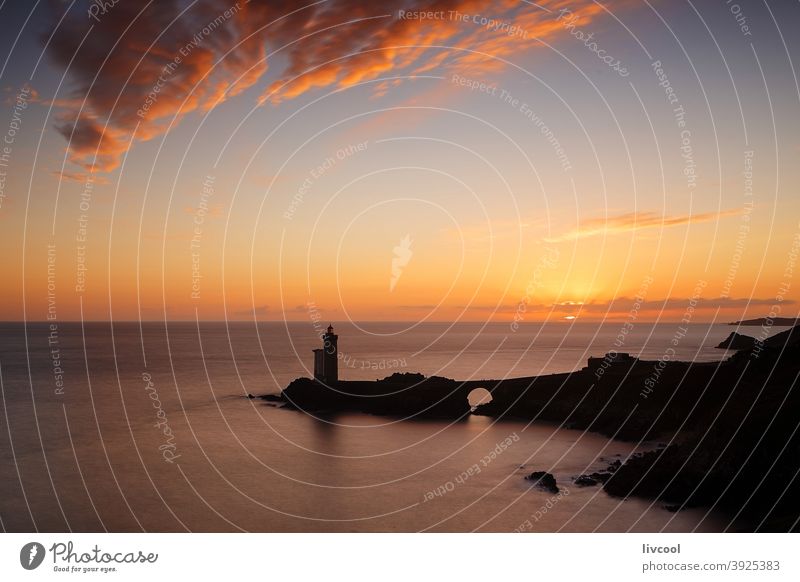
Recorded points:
(276, 398)
(602, 476)
(739, 452)
(774, 321)
(737, 341)
(733, 424)
(789, 338)
(401, 394)
(543, 480)
(598, 477)
(586, 481)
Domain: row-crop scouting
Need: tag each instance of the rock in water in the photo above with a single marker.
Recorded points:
(544, 480)
(737, 341)
(586, 481)
(601, 476)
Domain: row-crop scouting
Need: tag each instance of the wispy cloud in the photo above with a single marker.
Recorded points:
(632, 221)
(173, 59)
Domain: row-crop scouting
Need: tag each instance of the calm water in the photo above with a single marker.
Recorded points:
(91, 455)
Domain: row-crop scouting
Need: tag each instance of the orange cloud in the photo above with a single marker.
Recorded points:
(467, 35)
(141, 68)
(632, 221)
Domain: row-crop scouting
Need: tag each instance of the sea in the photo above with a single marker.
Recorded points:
(132, 426)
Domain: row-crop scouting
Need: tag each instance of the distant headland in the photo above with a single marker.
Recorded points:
(730, 428)
(772, 321)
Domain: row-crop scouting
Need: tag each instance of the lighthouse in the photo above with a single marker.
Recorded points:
(326, 359)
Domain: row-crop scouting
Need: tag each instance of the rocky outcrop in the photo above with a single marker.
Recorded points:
(789, 338)
(407, 395)
(737, 341)
(771, 321)
(739, 455)
(732, 424)
(543, 480)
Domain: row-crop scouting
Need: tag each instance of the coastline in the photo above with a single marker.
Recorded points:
(731, 426)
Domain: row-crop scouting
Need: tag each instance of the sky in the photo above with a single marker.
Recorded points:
(453, 160)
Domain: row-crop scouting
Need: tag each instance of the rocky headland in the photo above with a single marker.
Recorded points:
(769, 321)
(737, 341)
(731, 426)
